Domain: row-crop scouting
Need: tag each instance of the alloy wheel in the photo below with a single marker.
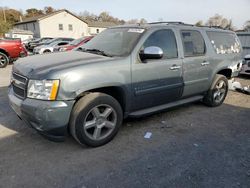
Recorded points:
(100, 122)
(220, 91)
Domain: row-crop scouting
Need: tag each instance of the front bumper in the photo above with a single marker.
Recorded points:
(50, 118)
(246, 67)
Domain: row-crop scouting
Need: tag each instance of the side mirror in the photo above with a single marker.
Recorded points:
(152, 52)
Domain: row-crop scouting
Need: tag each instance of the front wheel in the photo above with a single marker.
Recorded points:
(4, 60)
(218, 91)
(95, 119)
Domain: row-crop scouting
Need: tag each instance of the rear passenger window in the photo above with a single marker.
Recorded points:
(164, 39)
(224, 43)
(193, 43)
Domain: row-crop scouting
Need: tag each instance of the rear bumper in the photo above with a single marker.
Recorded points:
(50, 118)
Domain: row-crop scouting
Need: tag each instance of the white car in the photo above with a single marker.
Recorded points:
(246, 65)
(49, 48)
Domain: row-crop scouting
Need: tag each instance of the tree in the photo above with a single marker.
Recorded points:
(48, 10)
(32, 12)
(105, 17)
(4, 27)
(247, 25)
(10, 15)
(199, 23)
(133, 21)
(219, 21)
(143, 21)
(87, 16)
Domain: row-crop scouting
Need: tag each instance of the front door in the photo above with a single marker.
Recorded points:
(157, 81)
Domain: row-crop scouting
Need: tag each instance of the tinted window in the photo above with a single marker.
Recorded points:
(193, 43)
(165, 39)
(224, 43)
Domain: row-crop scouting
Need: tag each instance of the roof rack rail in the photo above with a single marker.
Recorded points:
(166, 23)
(177, 23)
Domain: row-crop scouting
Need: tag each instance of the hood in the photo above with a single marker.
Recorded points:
(35, 66)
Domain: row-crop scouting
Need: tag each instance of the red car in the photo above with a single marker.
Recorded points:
(74, 44)
(10, 50)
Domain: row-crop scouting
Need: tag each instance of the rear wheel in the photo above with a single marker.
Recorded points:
(4, 60)
(218, 91)
(95, 119)
(46, 51)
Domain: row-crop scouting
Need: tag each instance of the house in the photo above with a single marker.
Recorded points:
(244, 37)
(98, 27)
(60, 23)
(20, 33)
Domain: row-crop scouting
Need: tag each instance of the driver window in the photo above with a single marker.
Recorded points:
(165, 39)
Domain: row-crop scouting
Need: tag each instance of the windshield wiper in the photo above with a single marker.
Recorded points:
(95, 51)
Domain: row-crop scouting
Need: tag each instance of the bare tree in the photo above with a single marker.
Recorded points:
(133, 21)
(247, 25)
(219, 21)
(199, 23)
(143, 21)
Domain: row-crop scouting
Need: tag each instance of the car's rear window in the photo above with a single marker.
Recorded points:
(224, 42)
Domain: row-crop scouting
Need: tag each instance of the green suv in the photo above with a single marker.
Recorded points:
(125, 71)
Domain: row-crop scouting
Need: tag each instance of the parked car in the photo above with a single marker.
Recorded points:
(49, 48)
(74, 44)
(10, 50)
(246, 65)
(49, 42)
(125, 71)
(32, 44)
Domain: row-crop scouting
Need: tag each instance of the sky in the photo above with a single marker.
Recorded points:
(188, 11)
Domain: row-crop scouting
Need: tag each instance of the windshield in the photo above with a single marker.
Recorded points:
(49, 41)
(77, 41)
(115, 41)
(53, 43)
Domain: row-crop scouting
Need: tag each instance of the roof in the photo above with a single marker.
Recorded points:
(101, 24)
(172, 24)
(37, 18)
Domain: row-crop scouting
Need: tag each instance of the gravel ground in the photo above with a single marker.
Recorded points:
(191, 146)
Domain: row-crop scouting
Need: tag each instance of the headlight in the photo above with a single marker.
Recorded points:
(43, 89)
(62, 49)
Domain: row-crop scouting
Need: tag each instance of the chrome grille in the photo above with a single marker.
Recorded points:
(19, 84)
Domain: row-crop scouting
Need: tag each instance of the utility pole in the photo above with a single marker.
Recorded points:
(4, 16)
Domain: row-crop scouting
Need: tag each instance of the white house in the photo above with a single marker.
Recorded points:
(19, 33)
(98, 27)
(60, 23)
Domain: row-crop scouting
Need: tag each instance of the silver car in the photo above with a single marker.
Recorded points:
(246, 65)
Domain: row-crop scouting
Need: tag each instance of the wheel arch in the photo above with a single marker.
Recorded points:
(5, 52)
(115, 91)
(227, 72)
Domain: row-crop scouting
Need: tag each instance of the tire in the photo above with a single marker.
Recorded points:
(46, 51)
(95, 119)
(4, 60)
(218, 91)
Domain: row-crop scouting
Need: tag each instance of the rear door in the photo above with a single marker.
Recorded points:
(196, 65)
(157, 81)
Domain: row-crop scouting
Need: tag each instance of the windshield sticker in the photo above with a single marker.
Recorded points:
(136, 30)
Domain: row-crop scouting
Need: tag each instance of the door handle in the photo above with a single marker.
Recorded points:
(205, 63)
(175, 67)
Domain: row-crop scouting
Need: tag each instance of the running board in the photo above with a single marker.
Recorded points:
(165, 106)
